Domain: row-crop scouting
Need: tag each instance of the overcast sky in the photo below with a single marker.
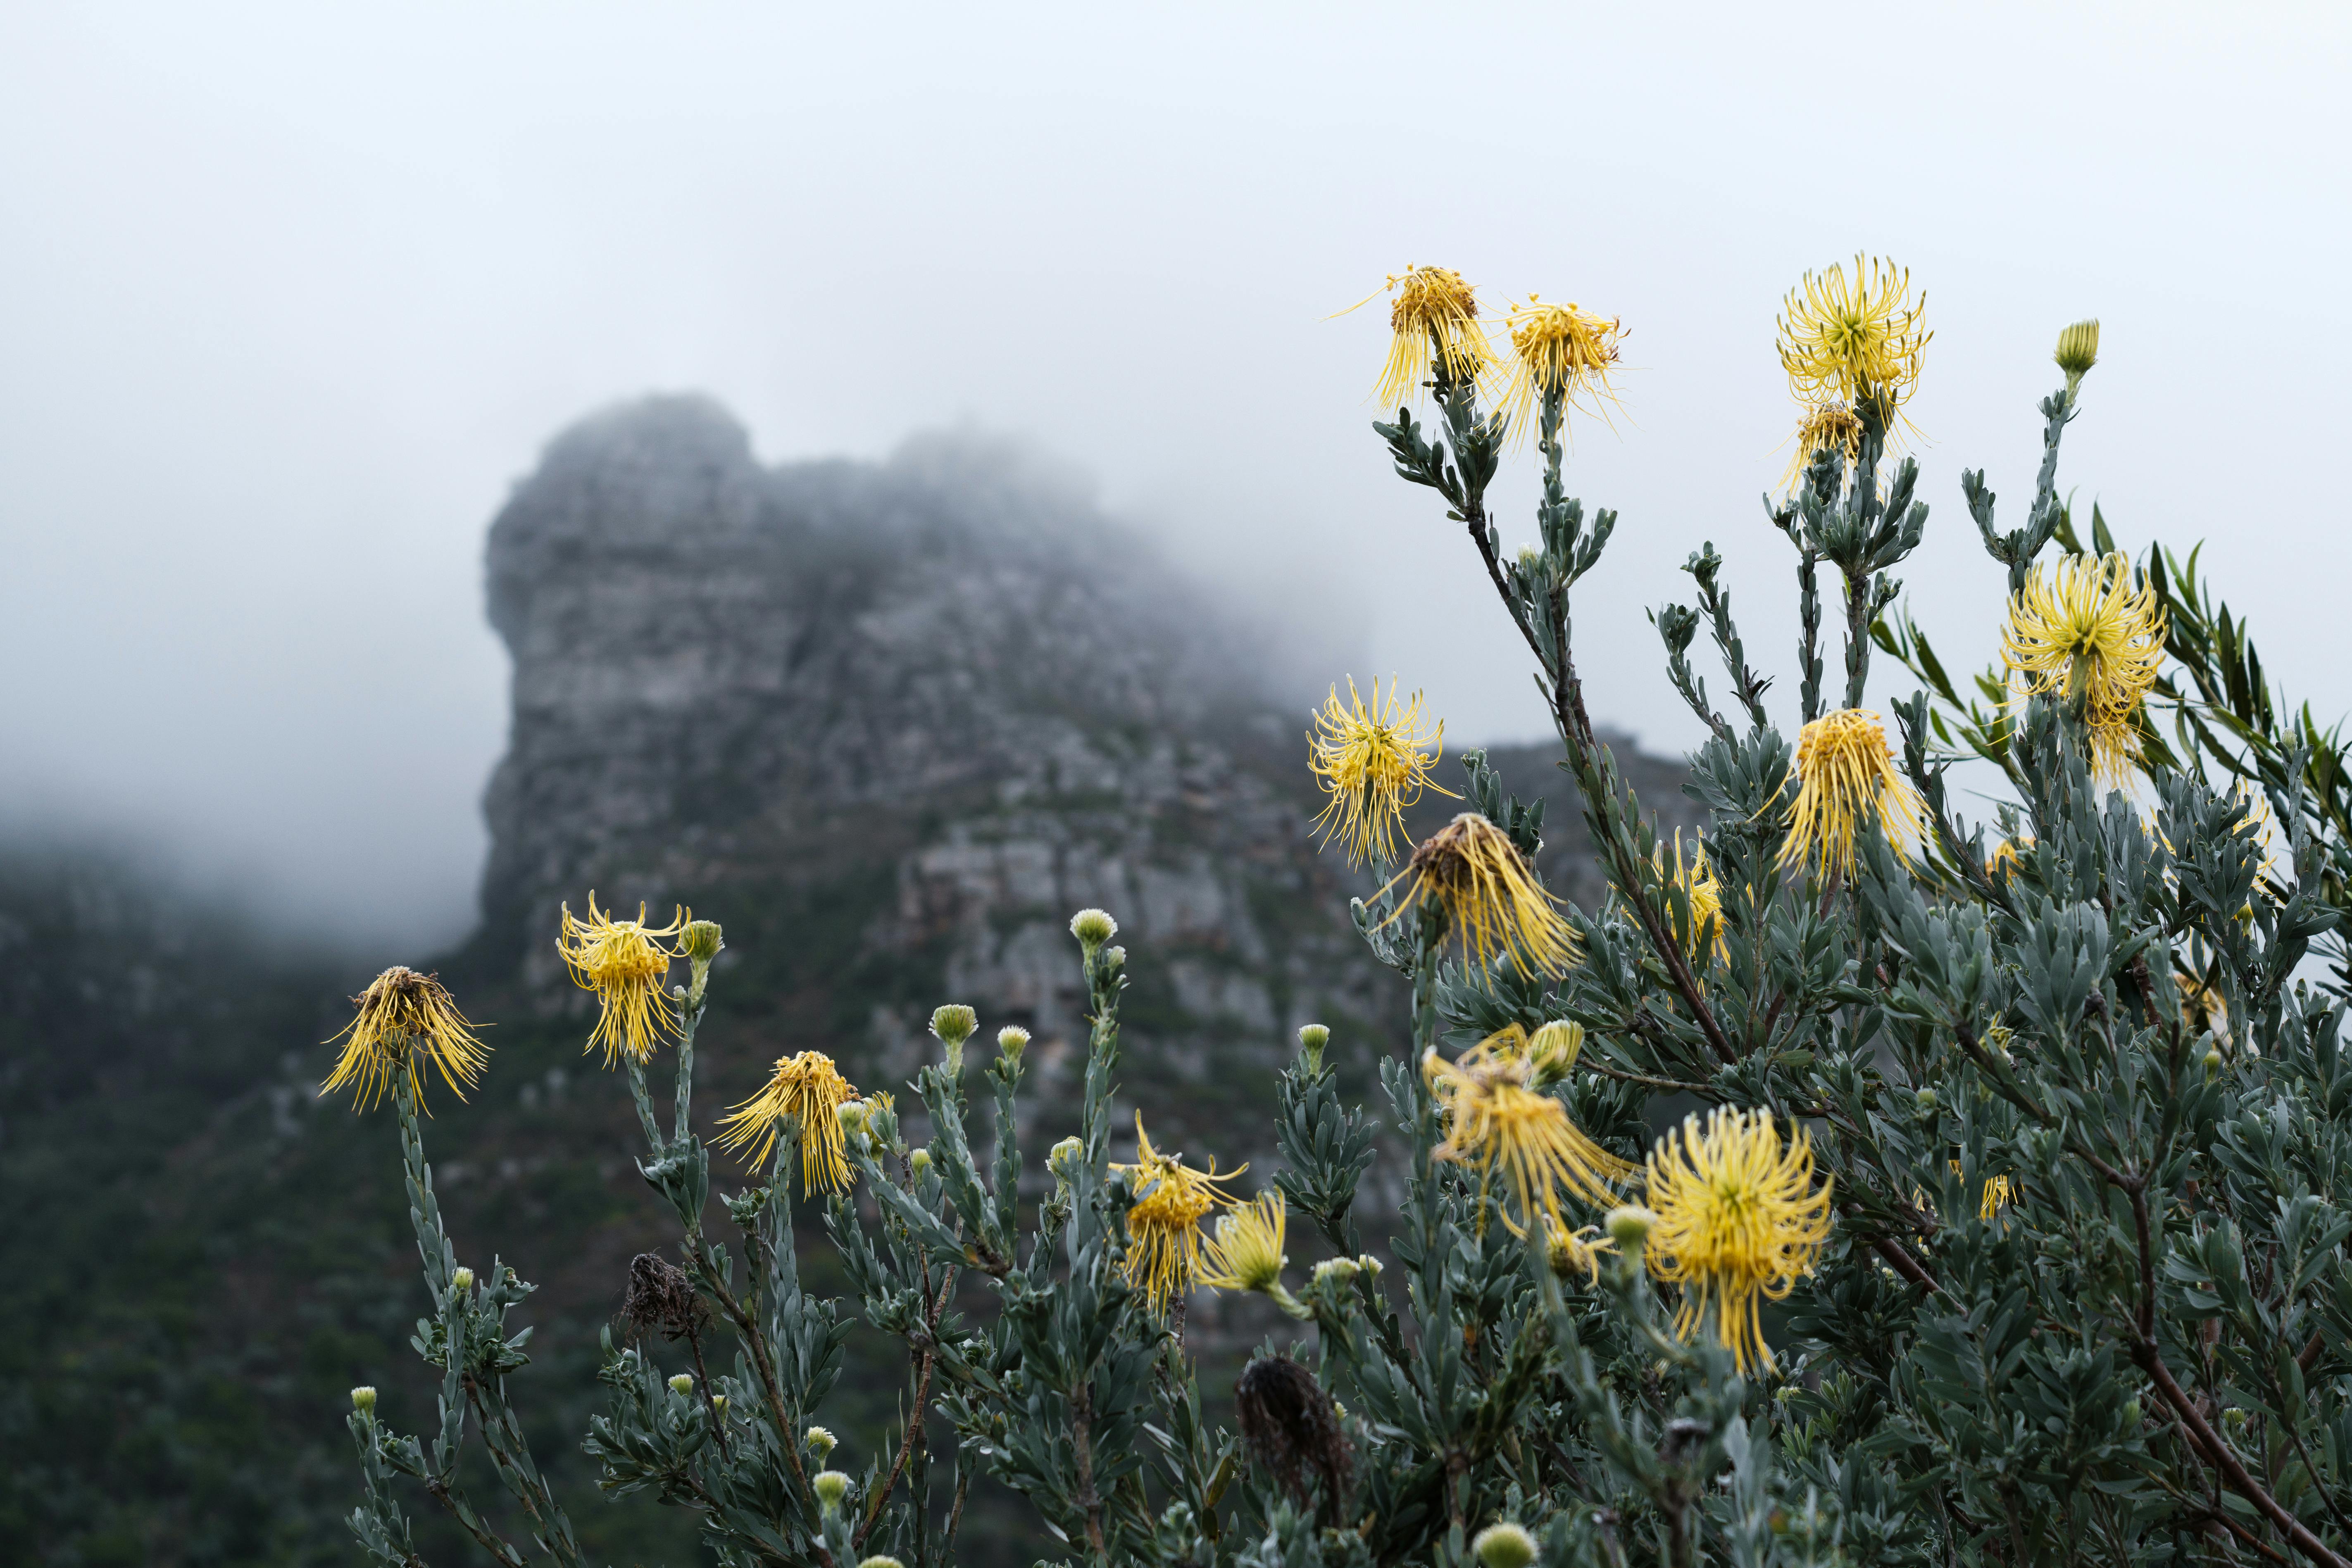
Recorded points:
(290, 295)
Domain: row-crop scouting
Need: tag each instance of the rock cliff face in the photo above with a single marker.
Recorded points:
(892, 724)
(909, 715)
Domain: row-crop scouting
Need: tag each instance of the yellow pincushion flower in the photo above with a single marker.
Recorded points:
(1369, 760)
(1830, 424)
(404, 1020)
(1247, 1254)
(1490, 895)
(2084, 626)
(1740, 1222)
(1573, 1252)
(1433, 321)
(1843, 339)
(1560, 349)
(625, 963)
(809, 1089)
(1163, 1226)
(1496, 1116)
(1847, 777)
(1696, 879)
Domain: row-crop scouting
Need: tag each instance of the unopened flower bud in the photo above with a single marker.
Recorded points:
(1062, 1159)
(819, 1442)
(1114, 958)
(954, 1023)
(363, 1399)
(2078, 351)
(719, 1402)
(919, 1160)
(1629, 1227)
(1012, 1040)
(1925, 1100)
(1340, 1271)
(1553, 1048)
(1312, 1038)
(700, 942)
(1093, 928)
(2131, 1413)
(881, 1562)
(2212, 1060)
(462, 1280)
(682, 1384)
(1369, 1264)
(1505, 1546)
(831, 1488)
(851, 1114)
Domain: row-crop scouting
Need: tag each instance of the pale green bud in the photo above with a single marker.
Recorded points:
(920, 1159)
(1553, 1048)
(1926, 1101)
(682, 1384)
(851, 1114)
(719, 1402)
(881, 1562)
(1505, 1546)
(2078, 351)
(1114, 958)
(1093, 928)
(954, 1023)
(363, 1399)
(462, 1280)
(831, 1488)
(1339, 1270)
(1629, 1227)
(1312, 1038)
(819, 1442)
(1063, 1160)
(1012, 1040)
(700, 942)
(2212, 1060)
(1369, 1264)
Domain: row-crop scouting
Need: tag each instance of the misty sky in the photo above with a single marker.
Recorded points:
(290, 296)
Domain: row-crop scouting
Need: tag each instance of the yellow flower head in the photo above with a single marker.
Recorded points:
(1369, 760)
(1842, 339)
(625, 963)
(1739, 1221)
(1434, 320)
(1163, 1227)
(1829, 423)
(2082, 626)
(1696, 879)
(1847, 777)
(2004, 858)
(1561, 349)
(809, 1089)
(1247, 1254)
(1495, 1116)
(1574, 1252)
(404, 1020)
(1490, 895)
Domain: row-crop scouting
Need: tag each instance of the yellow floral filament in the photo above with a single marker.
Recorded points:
(1739, 1222)
(1433, 324)
(1246, 1253)
(1490, 897)
(809, 1089)
(1494, 1117)
(1163, 1226)
(1842, 339)
(1558, 349)
(1830, 425)
(625, 963)
(2084, 627)
(1845, 777)
(404, 1020)
(1704, 895)
(1573, 1252)
(1369, 761)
